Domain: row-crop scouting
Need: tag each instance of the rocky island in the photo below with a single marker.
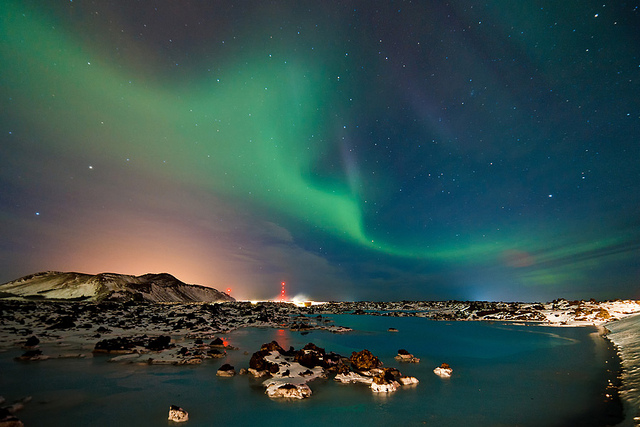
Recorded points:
(289, 371)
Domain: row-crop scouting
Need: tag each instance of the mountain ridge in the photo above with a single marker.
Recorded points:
(73, 286)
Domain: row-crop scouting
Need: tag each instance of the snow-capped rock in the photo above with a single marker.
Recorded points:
(405, 356)
(177, 414)
(443, 371)
(379, 386)
(353, 377)
(408, 380)
(288, 390)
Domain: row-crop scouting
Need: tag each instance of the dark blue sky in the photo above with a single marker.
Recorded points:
(356, 150)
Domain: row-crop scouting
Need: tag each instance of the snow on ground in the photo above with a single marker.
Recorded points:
(581, 313)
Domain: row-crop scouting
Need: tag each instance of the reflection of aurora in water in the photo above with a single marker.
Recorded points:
(243, 155)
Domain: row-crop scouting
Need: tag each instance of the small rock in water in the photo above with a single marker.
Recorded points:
(226, 370)
(9, 420)
(258, 373)
(33, 355)
(215, 354)
(7, 417)
(405, 356)
(291, 391)
(177, 414)
(383, 385)
(408, 380)
(443, 370)
(32, 341)
(217, 342)
(353, 377)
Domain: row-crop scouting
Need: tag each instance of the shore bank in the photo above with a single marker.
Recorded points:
(624, 334)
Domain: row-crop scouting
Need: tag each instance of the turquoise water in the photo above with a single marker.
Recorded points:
(504, 375)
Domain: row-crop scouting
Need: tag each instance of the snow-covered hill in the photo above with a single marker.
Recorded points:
(163, 287)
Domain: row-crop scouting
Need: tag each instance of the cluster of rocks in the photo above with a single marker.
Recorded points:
(367, 368)
(7, 412)
(160, 350)
(559, 311)
(48, 318)
(289, 371)
(446, 310)
(24, 318)
(126, 345)
(34, 353)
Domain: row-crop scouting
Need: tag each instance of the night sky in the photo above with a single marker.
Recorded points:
(365, 150)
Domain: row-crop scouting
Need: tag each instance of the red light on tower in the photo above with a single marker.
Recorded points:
(283, 297)
(229, 291)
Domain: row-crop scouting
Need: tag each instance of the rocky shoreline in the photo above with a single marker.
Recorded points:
(21, 317)
(560, 312)
(188, 334)
(623, 336)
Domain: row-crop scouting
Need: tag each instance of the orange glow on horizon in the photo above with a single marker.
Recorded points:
(113, 245)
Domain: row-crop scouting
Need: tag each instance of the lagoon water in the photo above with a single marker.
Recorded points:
(504, 375)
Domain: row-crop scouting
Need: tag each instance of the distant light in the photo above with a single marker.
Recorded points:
(550, 195)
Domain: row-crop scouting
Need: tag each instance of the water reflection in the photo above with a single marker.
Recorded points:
(282, 337)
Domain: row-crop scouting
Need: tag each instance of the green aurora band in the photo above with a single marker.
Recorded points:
(252, 135)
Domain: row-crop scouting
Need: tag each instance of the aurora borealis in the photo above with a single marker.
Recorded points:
(356, 150)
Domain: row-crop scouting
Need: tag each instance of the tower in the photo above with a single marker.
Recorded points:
(283, 296)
